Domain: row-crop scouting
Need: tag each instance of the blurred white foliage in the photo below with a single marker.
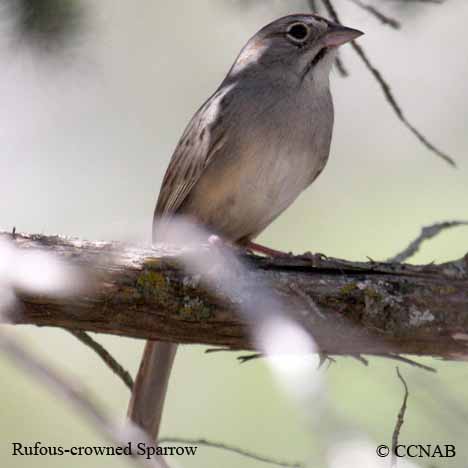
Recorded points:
(7, 299)
(292, 358)
(35, 272)
(289, 349)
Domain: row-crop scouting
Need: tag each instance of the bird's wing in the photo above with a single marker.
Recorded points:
(202, 139)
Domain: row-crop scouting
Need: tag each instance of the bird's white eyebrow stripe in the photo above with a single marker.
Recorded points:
(252, 55)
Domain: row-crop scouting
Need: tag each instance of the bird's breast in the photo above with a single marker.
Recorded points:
(272, 156)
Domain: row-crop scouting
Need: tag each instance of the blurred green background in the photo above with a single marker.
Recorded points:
(88, 125)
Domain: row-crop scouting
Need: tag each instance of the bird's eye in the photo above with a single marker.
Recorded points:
(298, 32)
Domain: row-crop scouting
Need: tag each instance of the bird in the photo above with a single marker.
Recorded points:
(248, 152)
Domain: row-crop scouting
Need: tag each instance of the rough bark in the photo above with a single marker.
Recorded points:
(364, 307)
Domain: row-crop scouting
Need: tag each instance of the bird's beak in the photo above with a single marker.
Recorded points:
(337, 35)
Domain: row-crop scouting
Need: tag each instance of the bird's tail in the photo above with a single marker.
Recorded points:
(149, 391)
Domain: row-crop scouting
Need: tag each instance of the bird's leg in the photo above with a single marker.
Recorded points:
(265, 250)
(215, 240)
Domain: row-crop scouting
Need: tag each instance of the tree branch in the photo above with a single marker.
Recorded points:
(427, 232)
(106, 357)
(362, 307)
(400, 420)
(231, 448)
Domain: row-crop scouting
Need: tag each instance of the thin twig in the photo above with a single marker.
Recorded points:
(388, 92)
(374, 11)
(436, 2)
(313, 5)
(218, 350)
(249, 357)
(231, 448)
(102, 352)
(397, 357)
(323, 358)
(340, 66)
(78, 397)
(361, 359)
(342, 70)
(427, 232)
(400, 419)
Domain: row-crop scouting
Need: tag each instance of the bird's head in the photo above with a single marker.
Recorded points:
(303, 44)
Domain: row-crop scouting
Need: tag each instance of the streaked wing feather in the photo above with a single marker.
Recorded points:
(198, 144)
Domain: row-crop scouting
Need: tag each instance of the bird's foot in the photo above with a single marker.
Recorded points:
(217, 241)
(316, 259)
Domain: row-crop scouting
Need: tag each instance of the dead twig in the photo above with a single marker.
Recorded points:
(231, 448)
(385, 87)
(78, 397)
(374, 11)
(400, 419)
(436, 2)
(102, 352)
(340, 66)
(323, 358)
(313, 5)
(218, 350)
(361, 359)
(397, 357)
(250, 357)
(427, 232)
(342, 70)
